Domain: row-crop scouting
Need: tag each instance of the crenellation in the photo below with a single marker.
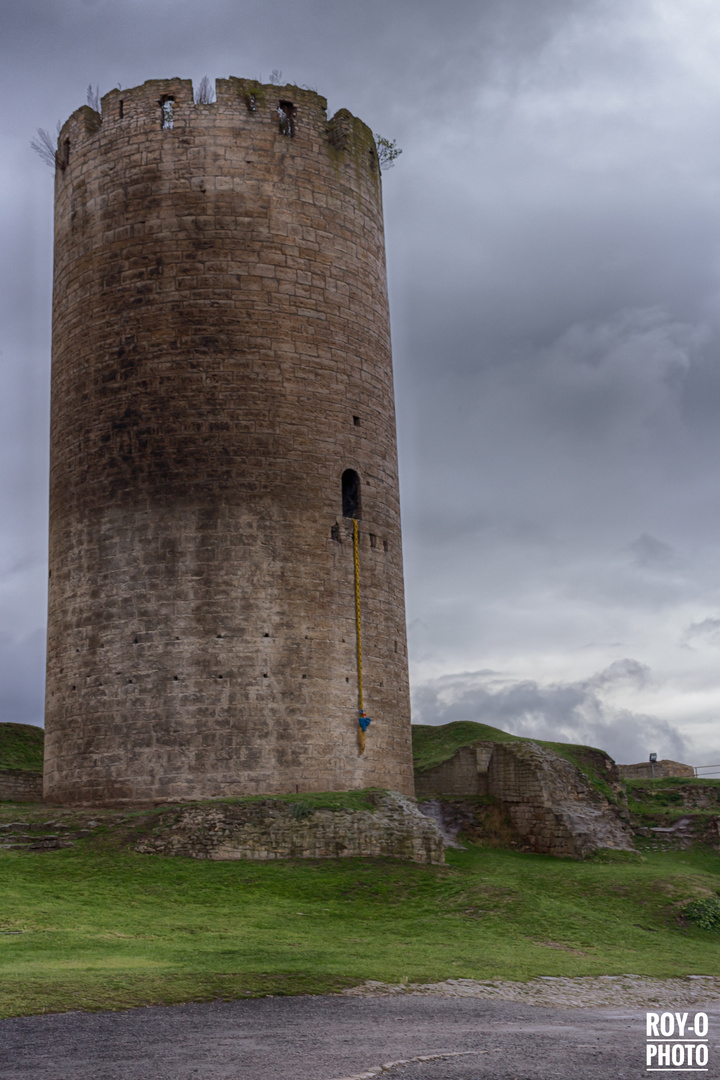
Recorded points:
(133, 115)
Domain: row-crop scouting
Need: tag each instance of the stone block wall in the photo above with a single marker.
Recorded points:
(660, 770)
(274, 829)
(17, 785)
(463, 776)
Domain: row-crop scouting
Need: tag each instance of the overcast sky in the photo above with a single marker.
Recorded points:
(553, 234)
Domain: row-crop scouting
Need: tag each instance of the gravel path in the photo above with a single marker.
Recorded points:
(630, 991)
(449, 1031)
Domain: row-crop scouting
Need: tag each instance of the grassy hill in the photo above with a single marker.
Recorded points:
(21, 747)
(434, 744)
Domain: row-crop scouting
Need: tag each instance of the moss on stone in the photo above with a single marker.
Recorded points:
(664, 801)
(366, 799)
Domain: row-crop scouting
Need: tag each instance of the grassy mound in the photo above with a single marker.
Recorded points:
(432, 745)
(21, 747)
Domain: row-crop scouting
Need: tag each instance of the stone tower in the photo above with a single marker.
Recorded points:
(222, 409)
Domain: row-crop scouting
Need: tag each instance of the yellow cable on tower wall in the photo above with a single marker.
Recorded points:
(356, 559)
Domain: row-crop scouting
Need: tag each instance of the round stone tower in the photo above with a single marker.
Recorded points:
(222, 415)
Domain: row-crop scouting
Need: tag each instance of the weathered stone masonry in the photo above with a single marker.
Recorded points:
(272, 830)
(551, 805)
(19, 785)
(221, 355)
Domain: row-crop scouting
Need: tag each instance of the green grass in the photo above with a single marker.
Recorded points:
(21, 747)
(96, 926)
(432, 745)
(312, 800)
(704, 912)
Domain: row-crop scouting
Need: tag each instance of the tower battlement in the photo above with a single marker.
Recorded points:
(221, 366)
(163, 112)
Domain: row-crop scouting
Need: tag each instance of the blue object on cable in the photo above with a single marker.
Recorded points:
(365, 721)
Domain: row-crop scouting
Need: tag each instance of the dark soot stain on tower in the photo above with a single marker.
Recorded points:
(221, 357)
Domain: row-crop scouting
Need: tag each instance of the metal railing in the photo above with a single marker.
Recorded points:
(714, 769)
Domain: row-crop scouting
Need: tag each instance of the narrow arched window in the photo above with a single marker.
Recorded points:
(351, 494)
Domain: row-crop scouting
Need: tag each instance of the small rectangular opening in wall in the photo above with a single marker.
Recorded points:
(121, 109)
(356, 421)
(66, 154)
(286, 118)
(373, 540)
(385, 545)
(167, 107)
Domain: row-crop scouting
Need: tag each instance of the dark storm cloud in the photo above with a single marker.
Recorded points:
(569, 333)
(380, 46)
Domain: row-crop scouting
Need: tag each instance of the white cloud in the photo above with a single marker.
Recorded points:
(580, 712)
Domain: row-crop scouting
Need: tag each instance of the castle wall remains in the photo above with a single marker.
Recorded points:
(20, 785)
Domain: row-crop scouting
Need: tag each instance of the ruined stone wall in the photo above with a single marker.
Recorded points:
(221, 355)
(659, 770)
(18, 785)
(273, 830)
(549, 803)
(463, 776)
